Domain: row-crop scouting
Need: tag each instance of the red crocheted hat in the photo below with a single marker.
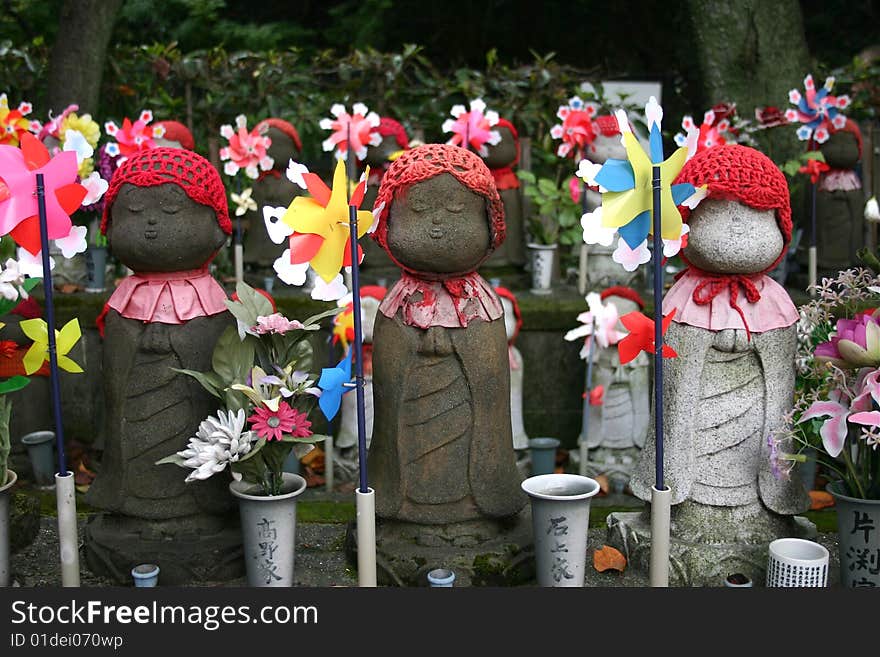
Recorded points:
(285, 127)
(388, 127)
(507, 294)
(176, 131)
(624, 293)
(157, 166)
(504, 123)
(607, 125)
(425, 162)
(740, 173)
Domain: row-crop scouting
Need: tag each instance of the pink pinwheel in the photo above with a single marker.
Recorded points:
(12, 122)
(817, 111)
(353, 131)
(577, 130)
(246, 150)
(715, 130)
(855, 343)
(599, 321)
(18, 202)
(132, 137)
(834, 430)
(473, 129)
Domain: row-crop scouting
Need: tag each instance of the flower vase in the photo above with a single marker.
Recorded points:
(542, 452)
(542, 257)
(858, 530)
(797, 563)
(145, 575)
(41, 451)
(96, 268)
(5, 497)
(560, 519)
(268, 525)
(441, 578)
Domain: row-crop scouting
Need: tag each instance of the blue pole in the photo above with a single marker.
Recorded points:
(50, 325)
(358, 350)
(658, 334)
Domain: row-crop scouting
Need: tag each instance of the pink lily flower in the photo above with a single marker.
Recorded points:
(855, 343)
(834, 430)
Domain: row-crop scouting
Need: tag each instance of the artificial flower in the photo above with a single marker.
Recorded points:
(32, 264)
(834, 429)
(132, 137)
(218, 442)
(275, 323)
(641, 336)
(333, 385)
(85, 125)
(12, 122)
(11, 281)
(19, 213)
(577, 130)
(472, 129)
(259, 392)
(273, 424)
(872, 210)
(353, 131)
(289, 273)
(672, 247)
(595, 232)
(96, 187)
(246, 150)
(65, 340)
(770, 117)
(854, 343)
(320, 224)
(277, 229)
(818, 112)
(243, 202)
(76, 142)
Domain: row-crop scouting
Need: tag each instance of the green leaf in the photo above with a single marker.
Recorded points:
(209, 380)
(254, 450)
(314, 319)
(814, 155)
(546, 187)
(174, 458)
(233, 358)
(314, 438)
(13, 383)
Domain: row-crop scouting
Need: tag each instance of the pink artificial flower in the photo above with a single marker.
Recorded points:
(275, 323)
(246, 150)
(854, 343)
(834, 430)
(271, 425)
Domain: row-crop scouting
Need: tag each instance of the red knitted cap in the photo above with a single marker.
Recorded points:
(740, 173)
(285, 127)
(388, 127)
(504, 123)
(507, 294)
(176, 131)
(607, 125)
(624, 293)
(157, 166)
(426, 162)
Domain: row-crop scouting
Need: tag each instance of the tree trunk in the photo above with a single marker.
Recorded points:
(751, 52)
(77, 60)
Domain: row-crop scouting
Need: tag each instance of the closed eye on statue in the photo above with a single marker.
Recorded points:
(455, 206)
(172, 208)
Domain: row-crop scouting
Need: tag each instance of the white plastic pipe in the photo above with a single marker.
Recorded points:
(68, 539)
(239, 263)
(583, 453)
(582, 269)
(366, 537)
(328, 463)
(812, 270)
(661, 505)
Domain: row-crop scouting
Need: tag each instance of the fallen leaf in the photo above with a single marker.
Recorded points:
(608, 558)
(604, 484)
(314, 460)
(819, 499)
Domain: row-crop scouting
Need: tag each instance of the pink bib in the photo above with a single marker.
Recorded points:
(168, 298)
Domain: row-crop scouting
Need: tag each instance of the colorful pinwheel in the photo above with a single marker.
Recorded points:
(18, 202)
(246, 150)
(318, 231)
(817, 111)
(627, 194)
(715, 130)
(641, 336)
(353, 131)
(814, 168)
(599, 321)
(132, 137)
(576, 130)
(12, 122)
(473, 129)
(332, 385)
(65, 340)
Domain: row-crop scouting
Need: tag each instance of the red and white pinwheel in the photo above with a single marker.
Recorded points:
(576, 130)
(473, 129)
(132, 137)
(246, 150)
(817, 110)
(355, 131)
(12, 122)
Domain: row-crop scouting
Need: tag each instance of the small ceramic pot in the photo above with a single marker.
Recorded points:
(542, 258)
(737, 581)
(543, 455)
(41, 451)
(147, 574)
(441, 578)
(96, 268)
(796, 563)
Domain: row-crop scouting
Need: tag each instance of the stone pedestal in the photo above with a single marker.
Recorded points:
(707, 543)
(479, 552)
(188, 550)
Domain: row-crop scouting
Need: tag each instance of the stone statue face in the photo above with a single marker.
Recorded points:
(161, 229)
(282, 148)
(378, 155)
(841, 151)
(509, 318)
(606, 148)
(439, 226)
(728, 237)
(503, 153)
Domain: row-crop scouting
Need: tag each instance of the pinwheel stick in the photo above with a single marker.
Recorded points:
(661, 496)
(585, 422)
(584, 250)
(813, 250)
(238, 246)
(64, 485)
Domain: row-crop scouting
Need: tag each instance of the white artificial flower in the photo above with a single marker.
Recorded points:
(289, 273)
(594, 231)
(11, 280)
(587, 171)
(629, 258)
(218, 442)
(672, 247)
(74, 243)
(872, 210)
(75, 141)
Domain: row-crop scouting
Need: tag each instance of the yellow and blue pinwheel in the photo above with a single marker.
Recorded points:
(626, 185)
(332, 385)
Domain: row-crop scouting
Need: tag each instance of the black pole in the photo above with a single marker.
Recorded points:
(50, 325)
(358, 350)
(658, 333)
